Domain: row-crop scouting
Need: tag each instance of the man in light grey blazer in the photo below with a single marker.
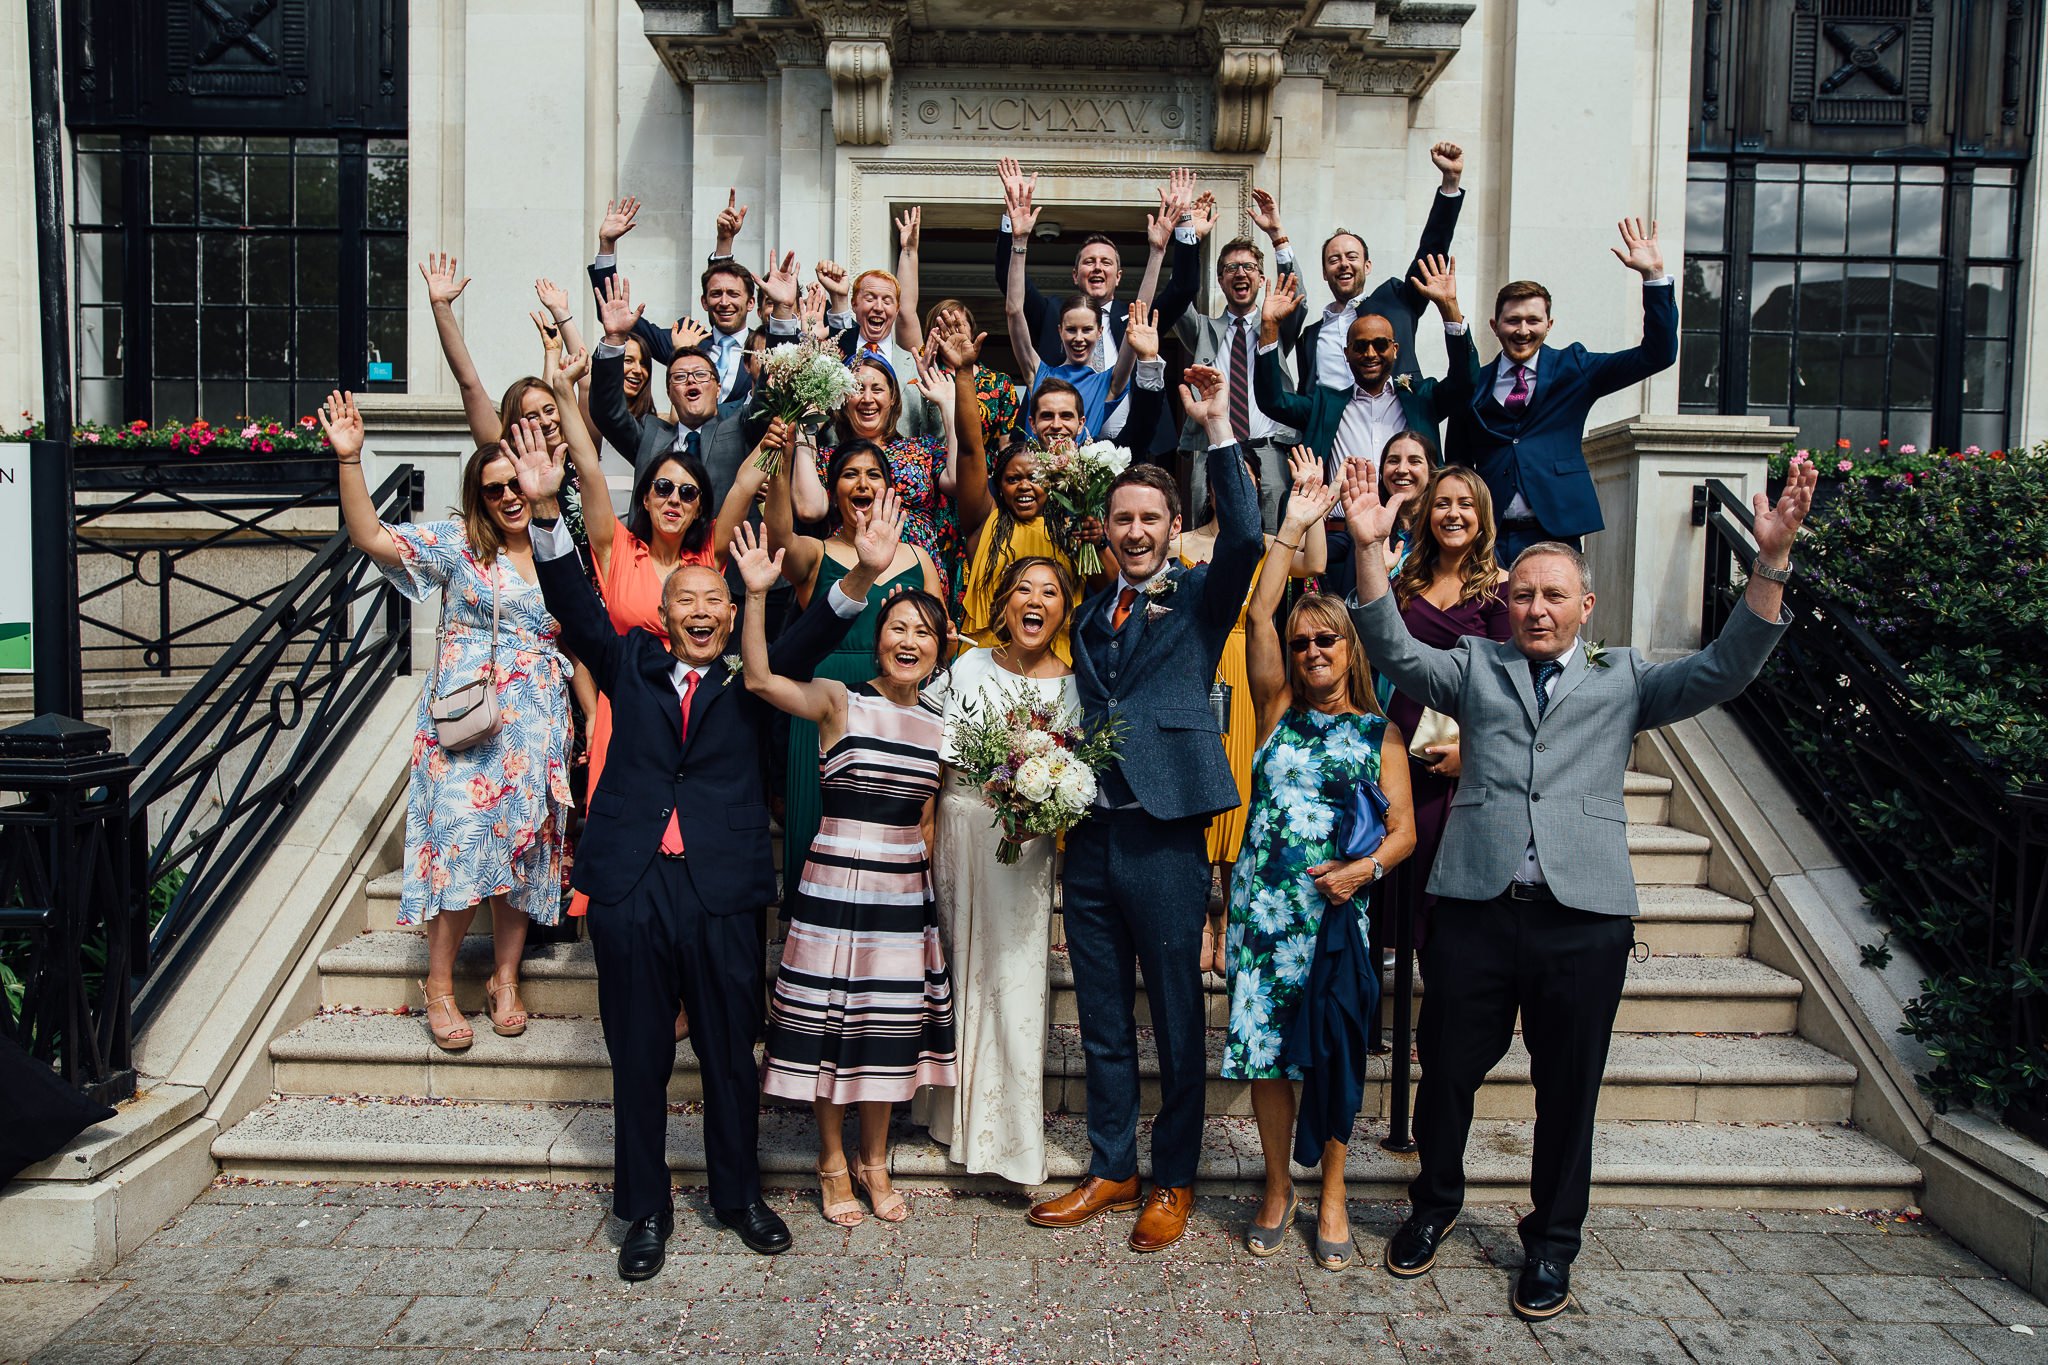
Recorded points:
(1534, 890)
(1229, 344)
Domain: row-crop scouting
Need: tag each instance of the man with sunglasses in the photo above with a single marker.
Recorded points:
(1228, 343)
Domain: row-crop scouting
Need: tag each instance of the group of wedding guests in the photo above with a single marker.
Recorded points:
(902, 569)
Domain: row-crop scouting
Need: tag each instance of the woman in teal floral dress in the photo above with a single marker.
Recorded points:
(1320, 735)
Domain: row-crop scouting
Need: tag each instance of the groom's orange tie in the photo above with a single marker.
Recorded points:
(1123, 609)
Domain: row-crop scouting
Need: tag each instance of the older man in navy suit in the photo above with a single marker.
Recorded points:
(1525, 420)
(1137, 872)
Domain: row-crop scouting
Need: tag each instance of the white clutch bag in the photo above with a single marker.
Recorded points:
(1434, 728)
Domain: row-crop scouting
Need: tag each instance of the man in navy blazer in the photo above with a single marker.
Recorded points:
(1523, 428)
(675, 859)
(1137, 872)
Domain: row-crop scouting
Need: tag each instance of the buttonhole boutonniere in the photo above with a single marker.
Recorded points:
(734, 665)
(1405, 383)
(1596, 654)
(1156, 594)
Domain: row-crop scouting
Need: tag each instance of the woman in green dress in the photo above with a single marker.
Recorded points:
(856, 480)
(1320, 735)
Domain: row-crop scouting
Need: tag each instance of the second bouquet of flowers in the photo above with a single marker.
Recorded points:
(1035, 763)
(803, 382)
(1077, 478)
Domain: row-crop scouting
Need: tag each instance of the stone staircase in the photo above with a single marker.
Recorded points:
(1711, 1097)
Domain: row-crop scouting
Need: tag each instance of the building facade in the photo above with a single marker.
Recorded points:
(251, 187)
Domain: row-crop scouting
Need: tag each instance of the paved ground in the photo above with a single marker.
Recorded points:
(329, 1273)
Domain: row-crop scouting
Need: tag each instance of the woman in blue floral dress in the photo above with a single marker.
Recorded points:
(485, 823)
(1321, 734)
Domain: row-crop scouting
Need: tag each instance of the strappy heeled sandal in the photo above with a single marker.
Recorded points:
(1262, 1241)
(845, 1213)
(891, 1207)
(455, 1039)
(514, 1022)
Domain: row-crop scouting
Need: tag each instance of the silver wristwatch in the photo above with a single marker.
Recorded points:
(1769, 574)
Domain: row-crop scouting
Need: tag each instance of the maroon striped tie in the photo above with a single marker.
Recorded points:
(1241, 381)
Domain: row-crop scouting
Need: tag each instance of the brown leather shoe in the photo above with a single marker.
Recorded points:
(1086, 1200)
(1164, 1220)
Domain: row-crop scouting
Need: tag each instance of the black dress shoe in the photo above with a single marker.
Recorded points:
(1543, 1291)
(1411, 1251)
(645, 1246)
(759, 1226)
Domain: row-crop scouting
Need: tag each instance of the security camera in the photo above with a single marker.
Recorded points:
(1046, 231)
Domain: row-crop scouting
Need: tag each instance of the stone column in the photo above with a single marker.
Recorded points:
(1247, 70)
(728, 141)
(1649, 564)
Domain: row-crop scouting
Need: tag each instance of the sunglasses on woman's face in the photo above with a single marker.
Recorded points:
(685, 493)
(1321, 640)
(498, 492)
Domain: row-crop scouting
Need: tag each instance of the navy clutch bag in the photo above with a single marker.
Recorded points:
(1362, 824)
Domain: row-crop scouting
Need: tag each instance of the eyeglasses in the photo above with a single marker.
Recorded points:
(1326, 639)
(498, 492)
(1238, 268)
(695, 376)
(1377, 345)
(685, 493)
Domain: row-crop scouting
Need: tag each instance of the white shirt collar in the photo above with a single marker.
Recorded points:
(1508, 366)
(1141, 584)
(680, 674)
(1338, 307)
(1564, 658)
(1386, 394)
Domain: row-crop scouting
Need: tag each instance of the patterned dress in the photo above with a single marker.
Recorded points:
(489, 820)
(1302, 777)
(999, 411)
(862, 1008)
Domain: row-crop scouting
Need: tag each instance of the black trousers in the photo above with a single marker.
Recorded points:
(658, 948)
(1563, 969)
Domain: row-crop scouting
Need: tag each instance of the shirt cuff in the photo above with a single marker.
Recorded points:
(551, 542)
(1226, 445)
(1149, 375)
(1268, 347)
(1663, 281)
(844, 606)
(782, 327)
(1450, 194)
(1185, 235)
(605, 351)
(604, 260)
(839, 322)
(1455, 329)
(1283, 256)
(1006, 223)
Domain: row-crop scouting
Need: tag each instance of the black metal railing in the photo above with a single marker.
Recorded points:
(222, 772)
(1914, 806)
(165, 543)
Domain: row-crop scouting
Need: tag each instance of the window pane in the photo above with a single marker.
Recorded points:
(1864, 428)
(170, 180)
(1777, 171)
(1870, 219)
(1770, 361)
(1863, 372)
(223, 400)
(223, 343)
(387, 340)
(1984, 382)
(386, 191)
(1831, 173)
(1702, 302)
(1987, 307)
(270, 270)
(220, 268)
(270, 191)
(174, 400)
(1820, 296)
(220, 144)
(1913, 372)
(174, 341)
(99, 341)
(173, 269)
(1867, 301)
(1817, 428)
(1924, 175)
(1920, 208)
(1775, 217)
(316, 353)
(1699, 368)
(318, 206)
(1916, 299)
(1990, 219)
(1869, 173)
(99, 400)
(220, 190)
(387, 272)
(1706, 215)
(319, 268)
(1985, 430)
(1827, 214)
(1818, 380)
(1910, 428)
(99, 267)
(1770, 295)
(271, 400)
(98, 188)
(270, 146)
(270, 343)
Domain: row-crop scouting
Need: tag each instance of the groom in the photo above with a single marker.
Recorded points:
(1137, 872)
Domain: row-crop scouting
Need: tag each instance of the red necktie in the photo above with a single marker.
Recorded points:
(672, 837)
(1123, 609)
(1241, 380)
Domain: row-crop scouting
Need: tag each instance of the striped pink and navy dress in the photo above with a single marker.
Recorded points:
(863, 1007)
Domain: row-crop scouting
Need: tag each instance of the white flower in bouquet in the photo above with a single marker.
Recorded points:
(1035, 742)
(1109, 456)
(803, 382)
(1077, 785)
(1078, 480)
(1035, 781)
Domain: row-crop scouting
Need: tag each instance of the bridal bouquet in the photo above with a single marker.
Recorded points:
(802, 382)
(1078, 478)
(1035, 763)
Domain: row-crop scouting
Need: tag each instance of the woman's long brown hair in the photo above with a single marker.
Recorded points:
(1480, 576)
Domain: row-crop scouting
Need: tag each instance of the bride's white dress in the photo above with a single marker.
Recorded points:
(997, 925)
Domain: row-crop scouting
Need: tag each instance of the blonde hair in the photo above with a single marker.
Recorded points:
(1321, 609)
(1480, 577)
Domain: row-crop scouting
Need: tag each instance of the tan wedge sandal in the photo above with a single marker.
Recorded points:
(514, 1022)
(456, 1039)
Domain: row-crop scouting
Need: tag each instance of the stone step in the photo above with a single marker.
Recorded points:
(1692, 1164)
(1683, 1076)
(381, 971)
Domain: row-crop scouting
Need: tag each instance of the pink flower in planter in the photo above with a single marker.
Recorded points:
(92, 437)
(1973, 450)
(249, 432)
(1909, 449)
(1843, 466)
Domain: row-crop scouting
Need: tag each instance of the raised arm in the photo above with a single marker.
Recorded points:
(1282, 300)
(619, 218)
(587, 630)
(1265, 215)
(1439, 227)
(800, 553)
(759, 567)
(443, 288)
(560, 371)
(1016, 185)
(1313, 555)
(748, 481)
(614, 420)
(1264, 655)
(1175, 201)
(1187, 258)
(809, 499)
(942, 393)
(1141, 343)
(909, 330)
(972, 500)
(1239, 542)
(1435, 677)
(1023, 217)
(1658, 350)
(344, 428)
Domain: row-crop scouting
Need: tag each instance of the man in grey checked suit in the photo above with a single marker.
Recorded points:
(1136, 883)
(1534, 890)
(1229, 344)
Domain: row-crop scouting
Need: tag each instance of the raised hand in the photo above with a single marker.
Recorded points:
(1436, 279)
(540, 469)
(552, 297)
(956, 349)
(1182, 184)
(832, 275)
(1023, 213)
(1017, 187)
(1282, 297)
(615, 310)
(1305, 468)
(1310, 500)
(909, 227)
(550, 338)
(687, 335)
(779, 285)
(572, 366)
(878, 532)
(1202, 215)
(1159, 226)
(616, 223)
(1643, 255)
(759, 569)
(1449, 158)
(1202, 393)
(812, 311)
(343, 425)
(442, 287)
(937, 388)
(1265, 215)
(1369, 519)
(1141, 331)
(730, 219)
(1777, 524)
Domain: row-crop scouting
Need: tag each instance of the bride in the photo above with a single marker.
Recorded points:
(997, 919)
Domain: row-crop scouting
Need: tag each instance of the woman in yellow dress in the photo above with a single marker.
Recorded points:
(1240, 733)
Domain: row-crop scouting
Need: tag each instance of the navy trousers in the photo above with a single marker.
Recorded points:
(1134, 893)
(658, 948)
(1513, 541)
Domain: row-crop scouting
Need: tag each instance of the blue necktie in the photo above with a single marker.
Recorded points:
(692, 444)
(1546, 673)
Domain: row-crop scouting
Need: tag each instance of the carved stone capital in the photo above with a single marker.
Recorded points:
(705, 64)
(1245, 77)
(878, 20)
(793, 47)
(1252, 27)
(863, 92)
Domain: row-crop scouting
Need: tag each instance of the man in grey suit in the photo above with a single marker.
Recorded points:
(1534, 890)
(1137, 872)
(1229, 344)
